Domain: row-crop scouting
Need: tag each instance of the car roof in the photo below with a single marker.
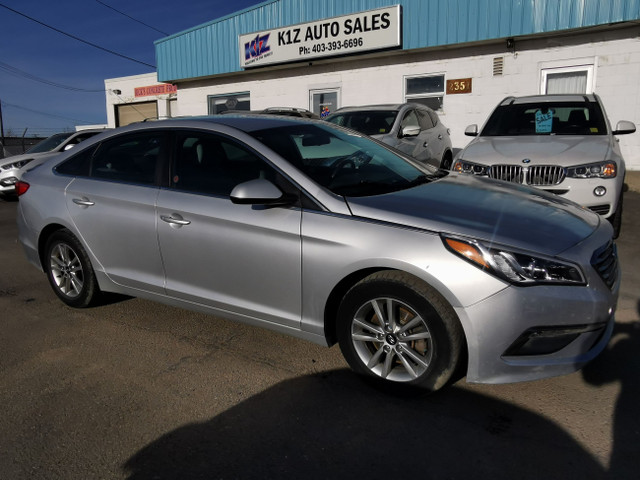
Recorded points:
(381, 107)
(587, 98)
(246, 122)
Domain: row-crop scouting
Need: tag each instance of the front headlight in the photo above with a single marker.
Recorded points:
(518, 268)
(594, 170)
(18, 164)
(462, 166)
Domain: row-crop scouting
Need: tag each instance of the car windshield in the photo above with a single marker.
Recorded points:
(546, 118)
(344, 163)
(50, 143)
(369, 122)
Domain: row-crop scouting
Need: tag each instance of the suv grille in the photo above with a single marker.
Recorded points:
(508, 173)
(537, 175)
(545, 175)
(605, 261)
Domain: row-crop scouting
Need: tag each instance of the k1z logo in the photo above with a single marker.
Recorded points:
(257, 47)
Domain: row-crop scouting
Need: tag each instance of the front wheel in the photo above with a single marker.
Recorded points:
(69, 270)
(399, 332)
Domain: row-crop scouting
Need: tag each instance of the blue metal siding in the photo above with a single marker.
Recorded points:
(212, 48)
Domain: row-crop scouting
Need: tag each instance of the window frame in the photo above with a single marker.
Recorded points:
(588, 68)
(211, 99)
(416, 97)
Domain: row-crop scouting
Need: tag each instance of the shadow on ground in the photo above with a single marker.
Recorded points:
(334, 427)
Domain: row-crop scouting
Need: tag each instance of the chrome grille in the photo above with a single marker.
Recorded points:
(508, 173)
(605, 261)
(537, 175)
(541, 175)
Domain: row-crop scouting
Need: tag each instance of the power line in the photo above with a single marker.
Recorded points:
(130, 17)
(76, 38)
(21, 73)
(42, 113)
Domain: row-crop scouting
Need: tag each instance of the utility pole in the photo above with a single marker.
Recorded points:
(1, 130)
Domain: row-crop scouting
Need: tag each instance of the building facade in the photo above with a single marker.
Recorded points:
(459, 57)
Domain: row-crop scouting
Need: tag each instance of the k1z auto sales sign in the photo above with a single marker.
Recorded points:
(344, 35)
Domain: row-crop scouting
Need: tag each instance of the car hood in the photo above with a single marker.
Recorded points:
(563, 150)
(484, 209)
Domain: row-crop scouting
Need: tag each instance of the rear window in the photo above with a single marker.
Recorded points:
(546, 118)
(367, 122)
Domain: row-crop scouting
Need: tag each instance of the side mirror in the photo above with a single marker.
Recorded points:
(259, 192)
(410, 131)
(471, 131)
(623, 127)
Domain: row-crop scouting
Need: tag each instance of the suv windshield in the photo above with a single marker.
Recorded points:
(372, 122)
(546, 118)
(344, 163)
(50, 143)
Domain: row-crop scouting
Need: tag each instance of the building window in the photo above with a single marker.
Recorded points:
(427, 90)
(232, 101)
(324, 102)
(577, 79)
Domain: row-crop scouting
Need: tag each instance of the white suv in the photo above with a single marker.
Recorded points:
(12, 168)
(560, 143)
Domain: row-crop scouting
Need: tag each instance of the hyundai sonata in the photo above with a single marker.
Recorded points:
(325, 234)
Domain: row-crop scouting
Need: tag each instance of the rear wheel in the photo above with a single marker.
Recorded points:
(447, 160)
(399, 332)
(69, 270)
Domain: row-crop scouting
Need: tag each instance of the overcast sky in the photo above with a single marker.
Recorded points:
(29, 49)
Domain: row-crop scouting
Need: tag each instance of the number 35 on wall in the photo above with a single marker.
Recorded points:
(459, 85)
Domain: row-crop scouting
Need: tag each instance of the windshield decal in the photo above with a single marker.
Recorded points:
(544, 121)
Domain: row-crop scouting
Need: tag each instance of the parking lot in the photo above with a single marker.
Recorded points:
(134, 389)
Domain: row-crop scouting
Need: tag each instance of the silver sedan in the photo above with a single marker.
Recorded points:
(315, 231)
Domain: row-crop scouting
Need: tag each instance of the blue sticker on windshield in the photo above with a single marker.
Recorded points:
(544, 121)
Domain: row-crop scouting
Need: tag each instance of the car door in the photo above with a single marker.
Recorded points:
(435, 140)
(112, 204)
(240, 259)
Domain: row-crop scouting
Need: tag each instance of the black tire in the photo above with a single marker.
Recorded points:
(69, 270)
(447, 160)
(616, 219)
(419, 349)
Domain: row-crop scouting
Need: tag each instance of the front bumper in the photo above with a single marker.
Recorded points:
(529, 333)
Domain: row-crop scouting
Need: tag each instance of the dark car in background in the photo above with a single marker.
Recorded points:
(409, 127)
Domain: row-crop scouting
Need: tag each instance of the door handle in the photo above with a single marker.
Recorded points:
(83, 202)
(426, 144)
(439, 136)
(175, 220)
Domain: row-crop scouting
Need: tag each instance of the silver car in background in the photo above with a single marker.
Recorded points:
(409, 127)
(319, 232)
(560, 143)
(12, 168)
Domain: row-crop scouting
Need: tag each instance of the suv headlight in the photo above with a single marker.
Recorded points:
(462, 166)
(518, 268)
(18, 164)
(594, 170)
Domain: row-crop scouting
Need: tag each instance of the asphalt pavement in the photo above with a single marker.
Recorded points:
(134, 389)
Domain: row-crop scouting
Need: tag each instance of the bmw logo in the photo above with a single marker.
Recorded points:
(526, 160)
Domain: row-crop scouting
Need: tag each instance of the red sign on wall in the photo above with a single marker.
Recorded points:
(161, 89)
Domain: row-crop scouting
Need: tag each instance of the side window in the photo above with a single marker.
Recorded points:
(214, 165)
(132, 158)
(79, 165)
(410, 120)
(425, 120)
